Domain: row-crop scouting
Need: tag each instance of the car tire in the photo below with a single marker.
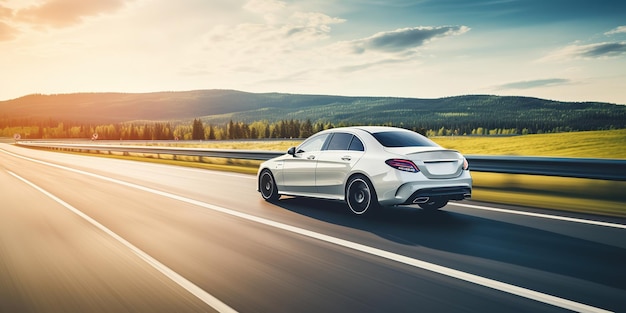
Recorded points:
(361, 196)
(433, 204)
(267, 186)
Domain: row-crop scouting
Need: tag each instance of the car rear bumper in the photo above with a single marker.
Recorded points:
(448, 193)
(420, 191)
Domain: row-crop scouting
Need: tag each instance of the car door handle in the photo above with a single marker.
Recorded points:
(346, 158)
(310, 157)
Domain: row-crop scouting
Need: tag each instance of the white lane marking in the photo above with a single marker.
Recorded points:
(479, 280)
(177, 278)
(553, 217)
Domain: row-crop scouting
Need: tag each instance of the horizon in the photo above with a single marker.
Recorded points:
(300, 94)
(555, 50)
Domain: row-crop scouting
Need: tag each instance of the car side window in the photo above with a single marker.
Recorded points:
(312, 144)
(339, 141)
(356, 144)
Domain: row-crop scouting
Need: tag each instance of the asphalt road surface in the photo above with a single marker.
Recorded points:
(89, 234)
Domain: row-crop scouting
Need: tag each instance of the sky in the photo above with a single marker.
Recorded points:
(566, 50)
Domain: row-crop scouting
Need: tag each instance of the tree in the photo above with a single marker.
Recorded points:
(266, 132)
(147, 132)
(230, 130)
(306, 129)
(197, 130)
(211, 135)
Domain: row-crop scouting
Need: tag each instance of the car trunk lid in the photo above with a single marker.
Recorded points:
(435, 163)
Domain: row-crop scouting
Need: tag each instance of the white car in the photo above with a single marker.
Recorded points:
(368, 167)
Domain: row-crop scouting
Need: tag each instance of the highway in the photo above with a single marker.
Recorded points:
(89, 234)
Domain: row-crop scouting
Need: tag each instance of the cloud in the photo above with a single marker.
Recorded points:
(607, 49)
(5, 12)
(310, 25)
(404, 39)
(365, 66)
(617, 30)
(529, 84)
(387, 49)
(286, 30)
(591, 51)
(64, 13)
(7, 32)
(284, 40)
(264, 6)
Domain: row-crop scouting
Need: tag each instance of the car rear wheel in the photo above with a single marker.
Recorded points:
(361, 196)
(433, 204)
(267, 186)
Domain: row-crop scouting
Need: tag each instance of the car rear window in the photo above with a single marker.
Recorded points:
(396, 139)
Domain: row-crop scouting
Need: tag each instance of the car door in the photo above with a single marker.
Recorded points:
(299, 170)
(335, 163)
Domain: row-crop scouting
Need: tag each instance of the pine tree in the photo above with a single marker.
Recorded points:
(197, 131)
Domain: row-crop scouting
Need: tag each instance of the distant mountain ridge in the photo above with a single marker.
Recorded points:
(220, 106)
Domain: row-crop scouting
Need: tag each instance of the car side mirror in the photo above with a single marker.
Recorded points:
(292, 151)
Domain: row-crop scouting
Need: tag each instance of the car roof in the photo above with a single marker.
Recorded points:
(373, 129)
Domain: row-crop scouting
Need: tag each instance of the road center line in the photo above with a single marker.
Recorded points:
(171, 274)
(475, 279)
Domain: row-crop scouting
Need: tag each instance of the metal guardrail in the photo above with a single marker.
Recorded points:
(214, 153)
(603, 169)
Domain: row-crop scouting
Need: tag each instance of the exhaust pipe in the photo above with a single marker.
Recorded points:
(421, 200)
(467, 196)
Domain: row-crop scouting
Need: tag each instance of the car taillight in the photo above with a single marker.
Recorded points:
(465, 164)
(403, 165)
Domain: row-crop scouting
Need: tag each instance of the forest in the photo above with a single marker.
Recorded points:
(230, 114)
(198, 130)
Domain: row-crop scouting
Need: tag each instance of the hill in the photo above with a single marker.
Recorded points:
(157, 106)
(463, 113)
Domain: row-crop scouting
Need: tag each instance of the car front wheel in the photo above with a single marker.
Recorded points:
(267, 186)
(361, 196)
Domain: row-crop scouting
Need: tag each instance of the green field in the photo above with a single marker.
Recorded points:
(592, 144)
